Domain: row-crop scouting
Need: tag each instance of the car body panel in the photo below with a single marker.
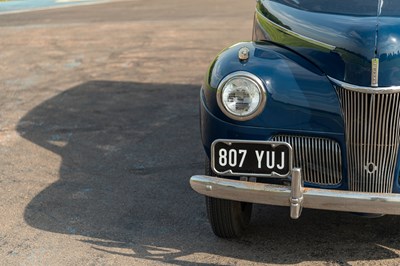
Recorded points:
(389, 51)
(299, 96)
(331, 72)
(300, 99)
(341, 45)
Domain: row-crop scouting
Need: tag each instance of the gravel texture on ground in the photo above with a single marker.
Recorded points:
(99, 135)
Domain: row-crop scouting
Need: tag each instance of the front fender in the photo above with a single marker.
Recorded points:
(299, 95)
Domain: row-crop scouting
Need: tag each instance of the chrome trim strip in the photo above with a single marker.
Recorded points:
(372, 90)
(252, 78)
(296, 35)
(230, 173)
(323, 199)
(374, 72)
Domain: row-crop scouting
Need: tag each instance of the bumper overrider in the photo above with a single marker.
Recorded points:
(296, 196)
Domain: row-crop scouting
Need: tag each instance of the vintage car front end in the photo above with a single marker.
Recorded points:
(304, 115)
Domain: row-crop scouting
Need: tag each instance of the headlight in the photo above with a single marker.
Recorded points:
(241, 96)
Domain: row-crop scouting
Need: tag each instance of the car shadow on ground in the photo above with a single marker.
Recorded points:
(128, 150)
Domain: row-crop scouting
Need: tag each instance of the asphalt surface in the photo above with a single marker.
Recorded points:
(99, 136)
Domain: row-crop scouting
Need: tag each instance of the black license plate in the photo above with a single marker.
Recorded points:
(251, 158)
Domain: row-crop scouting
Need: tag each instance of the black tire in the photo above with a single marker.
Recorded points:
(228, 218)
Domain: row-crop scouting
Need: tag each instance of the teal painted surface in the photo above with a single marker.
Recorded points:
(18, 5)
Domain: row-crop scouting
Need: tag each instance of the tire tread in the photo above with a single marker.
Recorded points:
(227, 218)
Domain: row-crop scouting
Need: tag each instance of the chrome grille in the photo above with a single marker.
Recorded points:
(372, 138)
(318, 158)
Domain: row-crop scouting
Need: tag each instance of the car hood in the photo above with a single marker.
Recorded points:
(341, 45)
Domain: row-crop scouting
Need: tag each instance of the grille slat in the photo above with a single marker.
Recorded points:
(372, 138)
(318, 158)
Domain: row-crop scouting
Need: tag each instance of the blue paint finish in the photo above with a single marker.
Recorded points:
(389, 51)
(213, 128)
(348, 7)
(396, 185)
(295, 48)
(357, 35)
(300, 98)
(352, 36)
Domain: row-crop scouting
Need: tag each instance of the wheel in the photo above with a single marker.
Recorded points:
(228, 218)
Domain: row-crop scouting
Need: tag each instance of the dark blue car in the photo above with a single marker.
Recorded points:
(307, 114)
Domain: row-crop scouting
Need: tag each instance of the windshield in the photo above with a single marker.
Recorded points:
(346, 7)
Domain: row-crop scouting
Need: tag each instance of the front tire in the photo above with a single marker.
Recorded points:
(228, 218)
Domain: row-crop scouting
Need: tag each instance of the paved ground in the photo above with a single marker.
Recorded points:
(99, 136)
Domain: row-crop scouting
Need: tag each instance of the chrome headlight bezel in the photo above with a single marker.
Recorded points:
(248, 77)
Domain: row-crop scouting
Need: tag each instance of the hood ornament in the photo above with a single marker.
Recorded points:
(374, 72)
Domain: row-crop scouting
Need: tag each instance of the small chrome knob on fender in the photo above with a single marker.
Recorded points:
(244, 53)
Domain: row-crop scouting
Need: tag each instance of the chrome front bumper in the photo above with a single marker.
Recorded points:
(296, 196)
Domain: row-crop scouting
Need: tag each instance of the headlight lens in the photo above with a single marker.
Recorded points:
(241, 96)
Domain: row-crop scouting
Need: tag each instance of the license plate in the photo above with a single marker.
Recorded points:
(251, 158)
